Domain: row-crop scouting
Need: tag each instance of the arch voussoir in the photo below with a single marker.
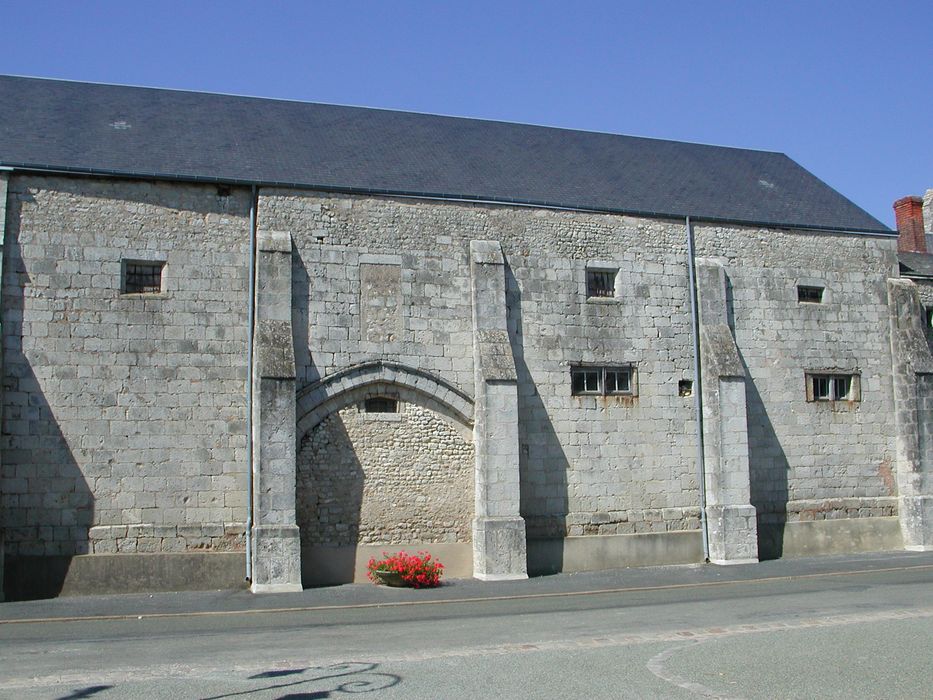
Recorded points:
(358, 382)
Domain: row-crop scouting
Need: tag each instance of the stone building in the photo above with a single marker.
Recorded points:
(267, 339)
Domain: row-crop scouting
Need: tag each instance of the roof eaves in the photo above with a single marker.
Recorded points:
(477, 199)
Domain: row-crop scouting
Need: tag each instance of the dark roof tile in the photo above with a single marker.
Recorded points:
(89, 127)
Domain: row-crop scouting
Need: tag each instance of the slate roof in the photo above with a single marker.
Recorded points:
(110, 129)
(916, 264)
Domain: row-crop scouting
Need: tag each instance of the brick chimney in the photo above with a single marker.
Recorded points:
(908, 212)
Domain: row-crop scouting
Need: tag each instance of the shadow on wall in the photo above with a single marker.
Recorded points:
(543, 465)
(329, 501)
(767, 464)
(301, 322)
(768, 470)
(46, 506)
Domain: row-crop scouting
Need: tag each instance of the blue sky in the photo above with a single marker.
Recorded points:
(844, 88)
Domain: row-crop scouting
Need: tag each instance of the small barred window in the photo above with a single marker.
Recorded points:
(141, 277)
(601, 283)
(809, 295)
(380, 404)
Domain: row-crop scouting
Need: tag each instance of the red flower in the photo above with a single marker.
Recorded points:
(417, 571)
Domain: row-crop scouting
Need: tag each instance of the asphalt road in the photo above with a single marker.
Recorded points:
(858, 632)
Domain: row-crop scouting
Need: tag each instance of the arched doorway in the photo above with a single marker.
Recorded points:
(385, 465)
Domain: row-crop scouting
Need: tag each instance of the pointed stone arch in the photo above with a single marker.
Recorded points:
(381, 378)
(350, 466)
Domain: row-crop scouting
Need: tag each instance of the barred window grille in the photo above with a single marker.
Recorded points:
(142, 277)
(810, 295)
(601, 283)
(380, 404)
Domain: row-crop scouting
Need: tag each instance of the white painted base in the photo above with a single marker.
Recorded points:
(919, 548)
(276, 588)
(500, 577)
(731, 562)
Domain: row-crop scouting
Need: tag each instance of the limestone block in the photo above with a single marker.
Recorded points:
(277, 559)
(499, 551)
(733, 534)
(916, 515)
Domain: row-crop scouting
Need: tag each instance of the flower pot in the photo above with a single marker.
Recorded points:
(390, 578)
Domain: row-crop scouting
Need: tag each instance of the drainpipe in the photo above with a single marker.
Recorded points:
(251, 322)
(698, 382)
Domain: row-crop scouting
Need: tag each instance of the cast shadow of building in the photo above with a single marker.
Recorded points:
(46, 505)
(543, 465)
(767, 463)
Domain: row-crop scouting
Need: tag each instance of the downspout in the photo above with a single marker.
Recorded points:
(251, 322)
(698, 391)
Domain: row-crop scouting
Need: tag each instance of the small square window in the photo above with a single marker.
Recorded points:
(380, 404)
(142, 277)
(833, 387)
(601, 283)
(602, 381)
(809, 295)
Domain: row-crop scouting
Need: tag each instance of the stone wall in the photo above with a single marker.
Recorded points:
(812, 460)
(123, 413)
(617, 464)
(588, 465)
(384, 478)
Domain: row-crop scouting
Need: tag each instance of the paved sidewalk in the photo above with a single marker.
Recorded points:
(356, 595)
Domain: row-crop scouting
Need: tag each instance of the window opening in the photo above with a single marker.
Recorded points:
(618, 381)
(585, 381)
(833, 387)
(140, 277)
(602, 381)
(601, 283)
(380, 404)
(810, 295)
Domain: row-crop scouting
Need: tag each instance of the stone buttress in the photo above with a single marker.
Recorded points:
(499, 547)
(731, 519)
(913, 412)
(276, 545)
